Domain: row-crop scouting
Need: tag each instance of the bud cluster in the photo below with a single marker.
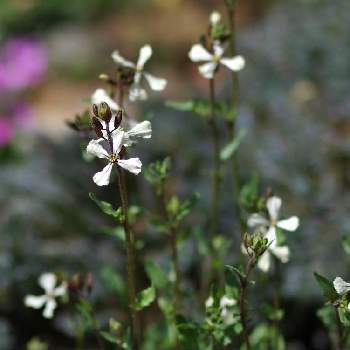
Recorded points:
(81, 285)
(255, 244)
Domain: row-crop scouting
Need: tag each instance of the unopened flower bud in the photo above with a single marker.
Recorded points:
(104, 112)
(118, 119)
(104, 77)
(97, 126)
(95, 110)
(215, 18)
(75, 284)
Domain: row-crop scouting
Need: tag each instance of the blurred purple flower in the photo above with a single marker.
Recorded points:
(6, 131)
(23, 62)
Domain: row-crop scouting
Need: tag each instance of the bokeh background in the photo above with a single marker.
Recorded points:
(294, 103)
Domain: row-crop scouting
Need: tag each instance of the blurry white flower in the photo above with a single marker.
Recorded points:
(115, 143)
(209, 302)
(215, 18)
(280, 252)
(199, 53)
(136, 91)
(268, 225)
(101, 95)
(226, 314)
(48, 282)
(341, 286)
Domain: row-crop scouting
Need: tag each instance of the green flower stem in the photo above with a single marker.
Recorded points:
(214, 216)
(340, 336)
(242, 301)
(231, 125)
(173, 243)
(131, 261)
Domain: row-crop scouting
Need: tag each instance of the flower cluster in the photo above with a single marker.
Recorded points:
(113, 140)
(268, 227)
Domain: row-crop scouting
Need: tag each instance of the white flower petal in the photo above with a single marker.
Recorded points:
(273, 205)
(47, 281)
(264, 262)
(96, 149)
(282, 253)
(341, 286)
(256, 219)
(199, 53)
(271, 234)
(132, 164)
(49, 308)
(209, 302)
(117, 58)
(117, 137)
(137, 78)
(236, 63)
(60, 290)
(143, 130)
(226, 301)
(102, 178)
(290, 224)
(156, 84)
(36, 302)
(207, 69)
(137, 93)
(144, 55)
(101, 95)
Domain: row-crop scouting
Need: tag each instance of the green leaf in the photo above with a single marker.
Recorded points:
(229, 150)
(107, 208)
(327, 287)
(156, 275)
(200, 107)
(238, 271)
(110, 337)
(272, 313)
(346, 244)
(145, 298)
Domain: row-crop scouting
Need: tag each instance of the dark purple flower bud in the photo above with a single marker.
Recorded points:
(97, 126)
(95, 110)
(118, 119)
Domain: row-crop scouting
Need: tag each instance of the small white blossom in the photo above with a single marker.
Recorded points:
(226, 314)
(136, 91)
(215, 18)
(269, 225)
(48, 282)
(199, 53)
(101, 95)
(341, 286)
(209, 302)
(117, 138)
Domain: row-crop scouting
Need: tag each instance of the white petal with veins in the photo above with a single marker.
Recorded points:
(117, 137)
(143, 130)
(341, 286)
(102, 178)
(96, 149)
(132, 164)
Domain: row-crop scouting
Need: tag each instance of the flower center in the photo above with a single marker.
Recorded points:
(113, 158)
(216, 58)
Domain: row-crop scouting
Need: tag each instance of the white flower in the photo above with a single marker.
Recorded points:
(48, 282)
(101, 95)
(136, 91)
(269, 225)
(280, 252)
(209, 302)
(199, 53)
(225, 303)
(115, 142)
(215, 18)
(341, 286)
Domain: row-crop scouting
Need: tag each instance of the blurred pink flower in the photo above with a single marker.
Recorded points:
(6, 131)
(23, 63)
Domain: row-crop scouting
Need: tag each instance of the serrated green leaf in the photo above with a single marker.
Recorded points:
(326, 287)
(229, 150)
(145, 298)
